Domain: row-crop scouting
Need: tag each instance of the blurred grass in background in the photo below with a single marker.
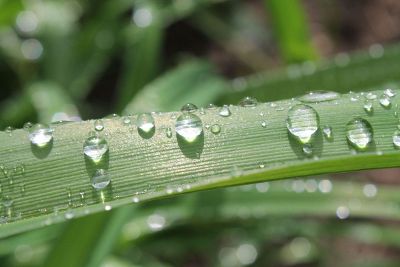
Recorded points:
(72, 60)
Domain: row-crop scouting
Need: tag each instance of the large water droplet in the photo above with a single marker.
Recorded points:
(189, 107)
(40, 135)
(359, 133)
(224, 111)
(95, 148)
(189, 127)
(145, 123)
(248, 102)
(319, 96)
(396, 139)
(302, 122)
(101, 179)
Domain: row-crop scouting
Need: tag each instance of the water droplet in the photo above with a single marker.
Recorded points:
(224, 111)
(248, 102)
(385, 101)
(307, 149)
(126, 120)
(98, 125)
(302, 122)
(145, 123)
(211, 106)
(95, 148)
(264, 124)
(396, 139)
(28, 125)
(215, 129)
(389, 92)
(327, 131)
(189, 127)
(189, 107)
(69, 215)
(135, 200)
(319, 96)
(112, 116)
(107, 207)
(9, 130)
(101, 179)
(168, 132)
(368, 107)
(371, 96)
(359, 133)
(41, 135)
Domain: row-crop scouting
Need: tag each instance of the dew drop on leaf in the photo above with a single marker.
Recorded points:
(327, 131)
(224, 111)
(302, 122)
(396, 139)
(368, 107)
(359, 133)
(101, 179)
(248, 102)
(40, 135)
(95, 147)
(319, 96)
(98, 125)
(385, 101)
(145, 123)
(189, 127)
(189, 107)
(215, 129)
(389, 92)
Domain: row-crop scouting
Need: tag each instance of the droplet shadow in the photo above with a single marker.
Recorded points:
(42, 152)
(192, 150)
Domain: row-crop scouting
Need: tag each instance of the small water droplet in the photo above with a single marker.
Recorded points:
(112, 116)
(107, 207)
(368, 107)
(168, 132)
(264, 124)
(308, 149)
(189, 107)
(215, 129)
(371, 96)
(98, 125)
(327, 131)
(248, 102)
(9, 130)
(389, 92)
(69, 215)
(126, 120)
(385, 101)
(41, 135)
(145, 123)
(95, 148)
(302, 122)
(224, 111)
(189, 127)
(135, 200)
(101, 179)
(396, 139)
(28, 125)
(359, 133)
(319, 96)
(211, 106)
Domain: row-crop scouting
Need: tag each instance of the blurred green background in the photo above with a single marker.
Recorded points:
(85, 59)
